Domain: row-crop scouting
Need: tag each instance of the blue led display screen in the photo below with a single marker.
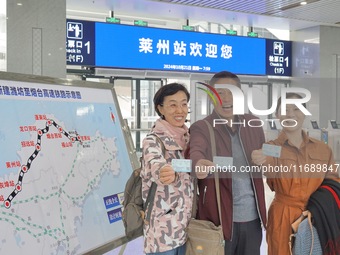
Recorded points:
(163, 49)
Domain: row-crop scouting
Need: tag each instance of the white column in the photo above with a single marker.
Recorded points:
(36, 37)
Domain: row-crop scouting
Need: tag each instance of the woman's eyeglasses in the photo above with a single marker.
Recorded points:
(175, 106)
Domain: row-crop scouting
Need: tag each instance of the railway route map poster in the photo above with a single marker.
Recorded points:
(63, 167)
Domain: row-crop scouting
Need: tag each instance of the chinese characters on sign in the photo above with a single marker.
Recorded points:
(115, 215)
(113, 201)
(80, 43)
(146, 45)
(75, 43)
(33, 92)
(279, 57)
(180, 48)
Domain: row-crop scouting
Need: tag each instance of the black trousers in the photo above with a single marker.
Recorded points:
(246, 239)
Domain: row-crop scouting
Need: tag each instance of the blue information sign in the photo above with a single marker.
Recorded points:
(114, 215)
(111, 201)
(279, 57)
(80, 43)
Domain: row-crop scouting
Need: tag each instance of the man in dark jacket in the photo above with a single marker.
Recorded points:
(242, 193)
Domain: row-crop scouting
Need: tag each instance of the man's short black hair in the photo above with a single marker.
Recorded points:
(225, 74)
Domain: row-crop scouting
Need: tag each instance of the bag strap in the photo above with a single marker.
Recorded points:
(151, 195)
(309, 215)
(194, 202)
(217, 181)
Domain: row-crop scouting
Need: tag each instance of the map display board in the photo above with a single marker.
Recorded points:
(64, 162)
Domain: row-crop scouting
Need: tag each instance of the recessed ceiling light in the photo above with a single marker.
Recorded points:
(20, 4)
(303, 3)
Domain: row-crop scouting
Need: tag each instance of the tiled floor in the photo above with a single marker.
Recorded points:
(136, 248)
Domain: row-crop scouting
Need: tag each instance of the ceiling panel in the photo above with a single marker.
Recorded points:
(318, 11)
(271, 14)
(250, 6)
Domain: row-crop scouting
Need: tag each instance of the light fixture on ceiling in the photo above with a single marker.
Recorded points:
(87, 12)
(291, 6)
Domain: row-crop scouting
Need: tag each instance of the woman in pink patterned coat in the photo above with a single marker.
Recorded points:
(171, 211)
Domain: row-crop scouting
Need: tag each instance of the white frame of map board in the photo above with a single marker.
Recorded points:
(28, 227)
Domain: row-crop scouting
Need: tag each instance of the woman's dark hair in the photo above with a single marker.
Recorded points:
(288, 95)
(225, 74)
(168, 90)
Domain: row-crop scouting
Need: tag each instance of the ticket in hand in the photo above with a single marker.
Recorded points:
(223, 161)
(181, 165)
(271, 150)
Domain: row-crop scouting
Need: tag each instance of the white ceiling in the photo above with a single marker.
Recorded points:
(273, 14)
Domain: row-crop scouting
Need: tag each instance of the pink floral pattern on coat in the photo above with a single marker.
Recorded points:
(172, 207)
